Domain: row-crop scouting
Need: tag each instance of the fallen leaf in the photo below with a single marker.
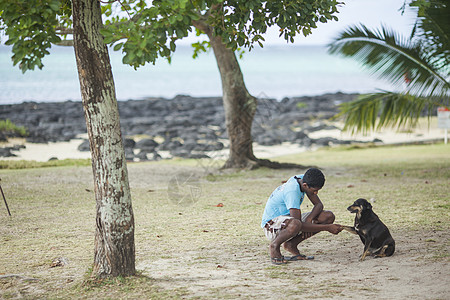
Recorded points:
(350, 186)
(219, 205)
(58, 262)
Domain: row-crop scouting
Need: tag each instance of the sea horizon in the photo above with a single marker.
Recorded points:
(274, 71)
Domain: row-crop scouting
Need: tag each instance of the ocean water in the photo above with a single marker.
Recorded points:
(272, 71)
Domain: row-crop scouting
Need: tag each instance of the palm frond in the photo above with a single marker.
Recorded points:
(433, 31)
(385, 109)
(392, 58)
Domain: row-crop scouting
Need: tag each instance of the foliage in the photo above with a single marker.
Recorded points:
(8, 127)
(419, 65)
(31, 27)
(385, 109)
(146, 33)
(432, 28)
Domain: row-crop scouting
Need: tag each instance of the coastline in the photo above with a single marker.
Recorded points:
(189, 127)
(42, 152)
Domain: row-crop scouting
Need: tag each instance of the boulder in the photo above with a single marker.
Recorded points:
(146, 144)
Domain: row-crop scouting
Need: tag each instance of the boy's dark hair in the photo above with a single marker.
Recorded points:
(314, 178)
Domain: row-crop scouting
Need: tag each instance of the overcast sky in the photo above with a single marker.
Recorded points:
(371, 13)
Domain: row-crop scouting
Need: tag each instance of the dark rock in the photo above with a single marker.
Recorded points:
(318, 127)
(190, 145)
(170, 145)
(188, 125)
(18, 147)
(129, 154)
(147, 144)
(198, 155)
(142, 156)
(6, 152)
(209, 146)
(129, 143)
(183, 153)
(156, 156)
(37, 139)
(84, 146)
(329, 141)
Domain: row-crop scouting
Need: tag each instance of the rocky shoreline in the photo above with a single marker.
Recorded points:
(184, 126)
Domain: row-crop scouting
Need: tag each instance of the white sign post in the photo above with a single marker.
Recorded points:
(443, 115)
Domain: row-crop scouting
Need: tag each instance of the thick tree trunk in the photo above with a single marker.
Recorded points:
(239, 106)
(114, 236)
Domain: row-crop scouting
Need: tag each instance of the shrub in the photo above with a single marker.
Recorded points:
(10, 129)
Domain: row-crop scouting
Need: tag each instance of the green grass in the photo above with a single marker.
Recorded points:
(203, 251)
(8, 127)
(28, 164)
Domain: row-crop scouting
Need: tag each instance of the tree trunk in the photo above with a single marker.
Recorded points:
(114, 236)
(239, 106)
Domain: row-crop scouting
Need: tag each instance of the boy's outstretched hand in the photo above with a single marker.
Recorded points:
(334, 228)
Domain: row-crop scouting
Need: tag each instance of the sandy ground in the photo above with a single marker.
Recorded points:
(335, 273)
(63, 150)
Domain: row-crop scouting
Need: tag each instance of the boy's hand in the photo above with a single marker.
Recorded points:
(334, 228)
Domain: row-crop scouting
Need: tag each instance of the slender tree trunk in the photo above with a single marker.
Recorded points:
(114, 236)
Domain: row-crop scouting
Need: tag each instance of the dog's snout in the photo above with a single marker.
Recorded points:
(353, 208)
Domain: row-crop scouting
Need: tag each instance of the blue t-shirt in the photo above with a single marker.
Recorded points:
(283, 198)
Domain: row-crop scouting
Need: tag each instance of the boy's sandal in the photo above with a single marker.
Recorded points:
(278, 260)
(299, 257)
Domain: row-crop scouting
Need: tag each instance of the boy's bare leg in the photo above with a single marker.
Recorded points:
(325, 217)
(292, 228)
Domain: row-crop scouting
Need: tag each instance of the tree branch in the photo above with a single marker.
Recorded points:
(63, 30)
(68, 43)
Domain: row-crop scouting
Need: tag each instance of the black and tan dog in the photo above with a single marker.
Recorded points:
(374, 234)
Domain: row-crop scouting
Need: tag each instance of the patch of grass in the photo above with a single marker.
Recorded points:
(117, 287)
(9, 128)
(28, 164)
(301, 105)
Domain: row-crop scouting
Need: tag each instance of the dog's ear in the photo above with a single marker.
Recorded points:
(367, 204)
(364, 203)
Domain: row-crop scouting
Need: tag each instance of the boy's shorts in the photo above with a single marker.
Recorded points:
(273, 227)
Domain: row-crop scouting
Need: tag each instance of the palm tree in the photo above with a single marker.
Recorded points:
(418, 65)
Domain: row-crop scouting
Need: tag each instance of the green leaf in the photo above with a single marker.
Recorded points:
(118, 46)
